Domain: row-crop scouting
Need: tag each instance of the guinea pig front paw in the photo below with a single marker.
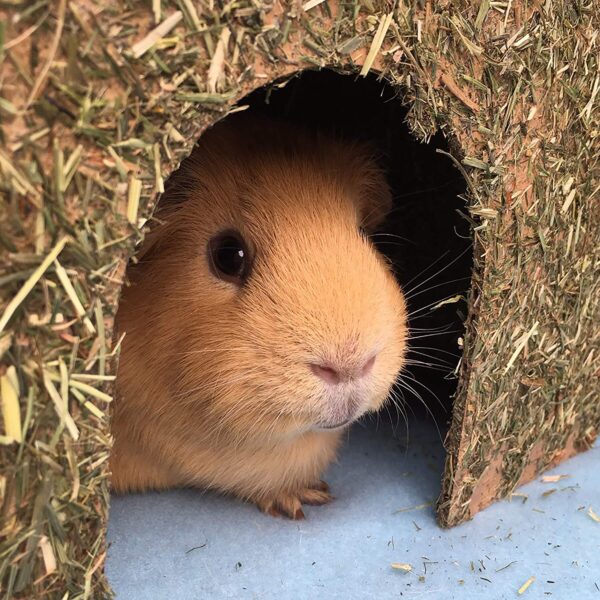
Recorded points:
(289, 504)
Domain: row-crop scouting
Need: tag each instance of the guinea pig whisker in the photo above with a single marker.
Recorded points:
(221, 379)
(452, 354)
(449, 359)
(435, 333)
(427, 190)
(274, 420)
(428, 335)
(395, 422)
(408, 404)
(430, 363)
(372, 236)
(424, 360)
(388, 243)
(278, 419)
(400, 411)
(211, 388)
(188, 395)
(387, 410)
(416, 350)
(427, 388)
(215, 348)
(207, 350)
(438, 272)
(440, 328)
(414, 293)
(366, 218)
(399, 207)
(231, 417)
(412, 316)
(401, 405)
(263, 410)
(223, 384)
(418, 357)
(362, 422)
(406, 284)
(402, 382)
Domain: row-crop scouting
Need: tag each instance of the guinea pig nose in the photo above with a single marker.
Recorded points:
(334, 374)
(326, 373)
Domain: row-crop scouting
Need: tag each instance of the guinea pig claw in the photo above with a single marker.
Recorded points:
(273, 511)
(315, 497)
(290, 505)
(284, 505)
(321, 485)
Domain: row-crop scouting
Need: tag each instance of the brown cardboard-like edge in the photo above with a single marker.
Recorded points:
(489, 486)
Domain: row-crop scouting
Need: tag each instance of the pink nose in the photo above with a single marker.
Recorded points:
(336, 374)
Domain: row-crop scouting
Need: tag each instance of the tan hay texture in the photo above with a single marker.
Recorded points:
(100, 100)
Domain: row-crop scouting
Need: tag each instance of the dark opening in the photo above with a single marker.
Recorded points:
(427, 236)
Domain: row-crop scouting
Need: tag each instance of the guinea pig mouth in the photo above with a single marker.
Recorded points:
(342, 407)
(334, 425)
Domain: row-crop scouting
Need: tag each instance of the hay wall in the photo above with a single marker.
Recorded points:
(96, 110)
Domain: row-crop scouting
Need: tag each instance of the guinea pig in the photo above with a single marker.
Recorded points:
(260, 320)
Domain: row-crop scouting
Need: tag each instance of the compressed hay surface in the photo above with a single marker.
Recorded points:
(100, 101)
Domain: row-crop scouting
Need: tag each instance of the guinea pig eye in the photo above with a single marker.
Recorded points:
(228, 257)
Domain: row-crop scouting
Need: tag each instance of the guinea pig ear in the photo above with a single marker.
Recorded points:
(150, 244)
(374, 194)
(165, 221)
(158, 230)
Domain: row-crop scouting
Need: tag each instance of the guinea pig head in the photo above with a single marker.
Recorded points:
(274, 312)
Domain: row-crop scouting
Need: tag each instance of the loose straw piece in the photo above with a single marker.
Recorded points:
(587, 110)
(61, 406)
(156, 34)
(23, 36)
(41, 79)
(568, 200)
(133, 199)
(156, 10)
(40, 230)
(455, 89)
(11, 413)
(384, 25)
(92, 377)
(311, 4)
(91, 407)
(70, 291)
(552, 478)
(23, 186)
(216, 64)
(191, 10)
(47, 555)
(90, 391)
(525, 586)
(31, 281)
(160, 184)
(520, 347)
(83, 387)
